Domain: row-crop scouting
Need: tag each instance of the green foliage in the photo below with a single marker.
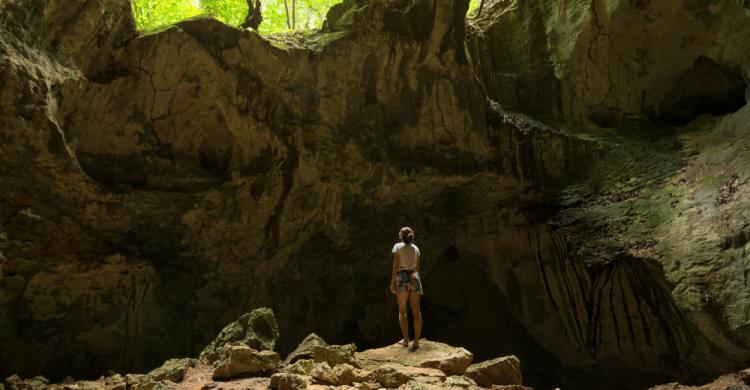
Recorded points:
(231, 12)
(154, 13)
(278, 15)
(301, 15)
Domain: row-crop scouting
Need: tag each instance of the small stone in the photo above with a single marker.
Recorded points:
(511, 387)
(366, 385)
(173, 370)
(154, 385)
(209, 386)
(287, 381)
(460, 381)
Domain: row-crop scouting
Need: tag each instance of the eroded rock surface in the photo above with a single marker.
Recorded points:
(305, 348)
(500, 371)
(257, 330)
(155, 187)
(241, 360)
(431, 354)
(612, 61)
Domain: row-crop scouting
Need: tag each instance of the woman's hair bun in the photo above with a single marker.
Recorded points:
(407, 235)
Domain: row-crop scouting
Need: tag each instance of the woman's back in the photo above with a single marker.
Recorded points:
(408, 254)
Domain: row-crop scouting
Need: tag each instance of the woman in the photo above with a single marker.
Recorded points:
(405, 283)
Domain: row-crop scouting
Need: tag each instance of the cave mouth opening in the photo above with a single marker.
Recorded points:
(707, 87)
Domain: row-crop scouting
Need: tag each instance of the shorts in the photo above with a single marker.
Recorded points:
(408, 280)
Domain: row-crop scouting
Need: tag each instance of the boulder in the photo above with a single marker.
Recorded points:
(115, 382)
(745, 376)
(500, 371)
(305, 349)
(390, 377)
(14, 382)
(323, 373)
(300, 367)
(450, 360)
(288, 381)
(335, 354)
(173, 370)
(350, 374)
(85, 385)
(393, 375)
(340, 375)
(133, 379)
(257, 330)
(241, 360)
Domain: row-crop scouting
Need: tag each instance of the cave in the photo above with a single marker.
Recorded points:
(577, 186)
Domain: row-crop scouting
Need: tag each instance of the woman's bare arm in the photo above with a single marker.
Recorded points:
(417, 267)
(396, 262)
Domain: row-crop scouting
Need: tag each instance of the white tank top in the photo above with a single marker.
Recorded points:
(408, 253)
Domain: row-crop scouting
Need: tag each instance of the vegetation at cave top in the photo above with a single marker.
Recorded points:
(278, 15)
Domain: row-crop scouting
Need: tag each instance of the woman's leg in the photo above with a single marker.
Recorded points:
(401, 298)
(414, 300)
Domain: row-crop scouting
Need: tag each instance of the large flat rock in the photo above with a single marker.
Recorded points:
(451, 360)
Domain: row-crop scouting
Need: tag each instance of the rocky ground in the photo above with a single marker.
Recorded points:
(242, 357)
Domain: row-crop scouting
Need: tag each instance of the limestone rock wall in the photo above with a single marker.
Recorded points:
(153, 187)
(612, 61)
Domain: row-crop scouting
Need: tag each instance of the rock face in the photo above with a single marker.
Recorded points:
(612, 62)
(155, 187)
